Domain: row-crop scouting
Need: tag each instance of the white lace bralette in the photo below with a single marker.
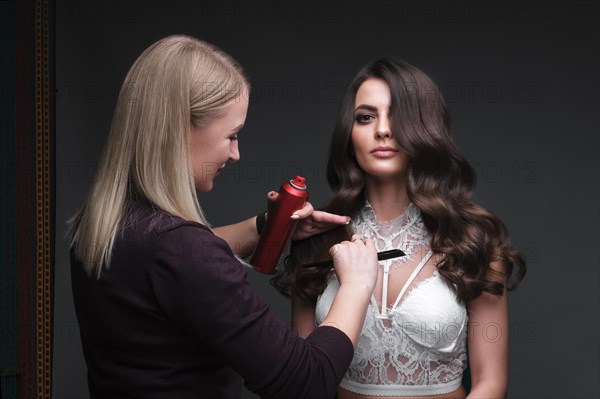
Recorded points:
(416, 346)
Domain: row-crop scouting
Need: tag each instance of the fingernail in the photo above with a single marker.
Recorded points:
(348, 220)
(271, 193)
(294, 216)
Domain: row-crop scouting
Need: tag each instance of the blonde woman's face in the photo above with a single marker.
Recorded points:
(377, 152)
(216, 143)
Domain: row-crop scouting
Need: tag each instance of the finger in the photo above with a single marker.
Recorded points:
(272, 195)
(334, 249)
(326, 217)
(271, 200)
(306, 210)
(358, 238)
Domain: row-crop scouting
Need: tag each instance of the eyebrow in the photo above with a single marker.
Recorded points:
(238, 128)
(370, 108)
(366, 107)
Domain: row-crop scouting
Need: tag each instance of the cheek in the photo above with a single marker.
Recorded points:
(355, 140)
(359, 155)
(203, 162)
(359, 142)
(195, 145)
(197, 156)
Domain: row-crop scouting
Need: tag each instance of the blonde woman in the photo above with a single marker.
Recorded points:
(163, 305)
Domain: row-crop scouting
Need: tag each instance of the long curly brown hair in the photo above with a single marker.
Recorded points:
(440, 183)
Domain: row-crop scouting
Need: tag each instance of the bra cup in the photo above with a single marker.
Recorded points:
(432, 317)
(325, 300)
(429, 314)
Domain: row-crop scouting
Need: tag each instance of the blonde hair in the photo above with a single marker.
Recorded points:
(176, 82)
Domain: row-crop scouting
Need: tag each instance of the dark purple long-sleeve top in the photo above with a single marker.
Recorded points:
(174, 317)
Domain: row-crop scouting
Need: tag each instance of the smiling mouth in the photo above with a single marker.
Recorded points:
(218, 172)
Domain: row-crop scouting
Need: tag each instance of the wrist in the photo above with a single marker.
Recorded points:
(358, 288)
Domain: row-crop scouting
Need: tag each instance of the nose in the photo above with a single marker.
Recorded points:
(384, 128)
(234, 152)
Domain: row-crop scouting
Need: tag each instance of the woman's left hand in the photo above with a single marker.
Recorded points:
(311, 222)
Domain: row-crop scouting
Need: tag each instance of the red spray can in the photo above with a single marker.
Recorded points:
(278, 228)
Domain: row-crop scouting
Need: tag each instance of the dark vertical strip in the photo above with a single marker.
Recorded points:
(26, 236)
(27, 192)
(43, 200)
(8, 286)
(51, 184)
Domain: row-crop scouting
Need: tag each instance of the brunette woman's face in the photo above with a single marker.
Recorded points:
(377, 152)
(215, 143)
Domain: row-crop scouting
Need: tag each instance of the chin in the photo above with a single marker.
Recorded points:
(205, 187)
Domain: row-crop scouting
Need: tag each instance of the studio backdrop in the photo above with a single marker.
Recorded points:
(521, 81)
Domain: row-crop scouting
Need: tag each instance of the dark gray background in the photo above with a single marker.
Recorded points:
(521, 80)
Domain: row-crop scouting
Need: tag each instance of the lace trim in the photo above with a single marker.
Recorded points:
(406, 232)
(400, 390)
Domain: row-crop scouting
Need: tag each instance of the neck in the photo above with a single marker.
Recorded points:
(389, 199)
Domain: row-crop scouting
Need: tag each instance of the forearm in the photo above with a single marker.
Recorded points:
(242, 237)
(488, 358)
(348, 310)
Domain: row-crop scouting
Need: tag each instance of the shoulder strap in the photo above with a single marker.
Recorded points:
(412, 277)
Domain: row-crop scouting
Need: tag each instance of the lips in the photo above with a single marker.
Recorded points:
(218, 172)
(384, 152)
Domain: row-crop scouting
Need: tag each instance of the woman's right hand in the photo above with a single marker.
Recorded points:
(355, 262)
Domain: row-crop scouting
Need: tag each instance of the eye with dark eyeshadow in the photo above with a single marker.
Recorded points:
(363, 118)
